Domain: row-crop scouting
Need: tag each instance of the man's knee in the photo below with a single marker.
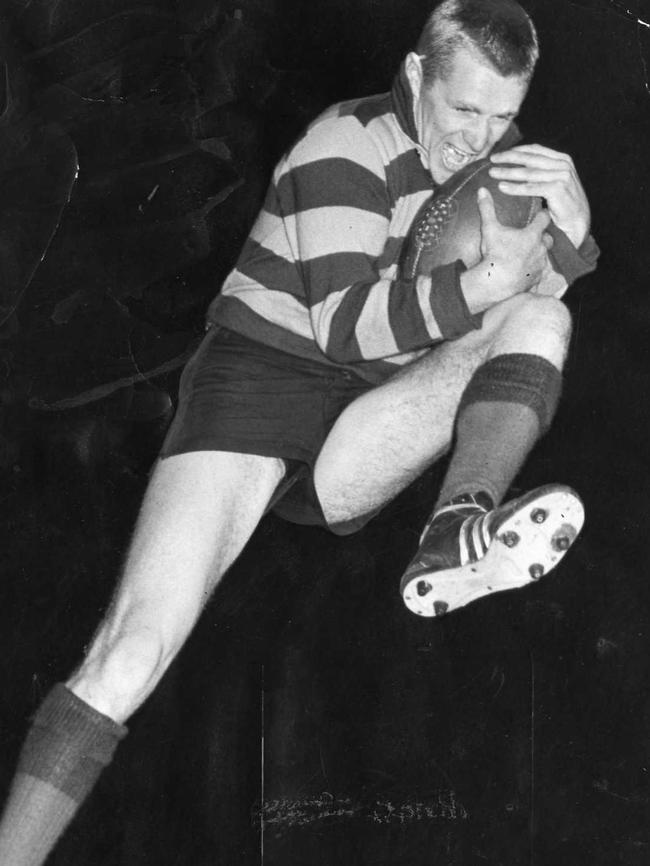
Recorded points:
(532, 324)
(118, 675)
(538, 312)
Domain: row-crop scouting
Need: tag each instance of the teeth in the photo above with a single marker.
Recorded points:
(454, 157)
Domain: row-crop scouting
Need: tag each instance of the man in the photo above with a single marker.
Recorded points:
(327, 382)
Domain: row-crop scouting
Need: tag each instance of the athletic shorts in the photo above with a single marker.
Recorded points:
(239, 395)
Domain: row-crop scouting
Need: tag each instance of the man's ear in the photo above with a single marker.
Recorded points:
(413, 66)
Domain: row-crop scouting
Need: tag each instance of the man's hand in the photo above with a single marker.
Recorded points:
(536, 170)
(512, 260)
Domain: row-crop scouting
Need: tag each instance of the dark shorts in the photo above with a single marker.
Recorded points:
(239, 395)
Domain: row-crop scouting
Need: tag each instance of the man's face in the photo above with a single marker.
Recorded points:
(461, 117)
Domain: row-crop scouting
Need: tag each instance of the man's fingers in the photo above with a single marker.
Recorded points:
(547, 240)
(547, 190)
(540, 222)
(559, 173)
(488, 215)
(486, 207)
(540, 150)
(533, 155)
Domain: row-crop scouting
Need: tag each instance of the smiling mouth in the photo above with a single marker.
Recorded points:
(453, 158)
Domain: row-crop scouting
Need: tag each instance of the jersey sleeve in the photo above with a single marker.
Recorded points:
(330, 195)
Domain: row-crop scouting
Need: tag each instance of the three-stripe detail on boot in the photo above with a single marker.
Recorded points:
(474, 536)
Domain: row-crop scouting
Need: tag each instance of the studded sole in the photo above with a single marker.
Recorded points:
(529, 543)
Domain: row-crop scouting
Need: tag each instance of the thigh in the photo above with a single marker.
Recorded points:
(199, 511)
(389, 436)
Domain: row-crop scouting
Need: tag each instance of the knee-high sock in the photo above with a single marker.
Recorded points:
(66, 749)
(509, 402)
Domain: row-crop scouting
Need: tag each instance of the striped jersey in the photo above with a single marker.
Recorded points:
(318, 275)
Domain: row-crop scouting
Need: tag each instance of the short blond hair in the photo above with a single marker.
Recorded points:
(499, 30)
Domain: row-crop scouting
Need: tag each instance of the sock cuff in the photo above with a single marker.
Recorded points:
(69, 743)
(527, 379)
(62, 710)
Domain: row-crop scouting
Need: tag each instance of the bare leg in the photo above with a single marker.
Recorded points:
(388, 437)
(199, 511)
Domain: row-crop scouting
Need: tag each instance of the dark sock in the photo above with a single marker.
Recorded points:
(67, 747)
(509, 402)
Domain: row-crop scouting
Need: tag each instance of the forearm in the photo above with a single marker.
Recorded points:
(372, 320)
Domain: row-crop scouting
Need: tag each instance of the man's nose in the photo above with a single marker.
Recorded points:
(477, 134)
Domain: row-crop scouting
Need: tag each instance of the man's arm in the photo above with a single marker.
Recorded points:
(330, 213)
(536, 170)
(342, 230)
(325, 250)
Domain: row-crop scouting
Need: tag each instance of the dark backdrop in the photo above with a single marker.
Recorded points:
(311, 718)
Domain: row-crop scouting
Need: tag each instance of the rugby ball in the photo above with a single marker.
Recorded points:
(448, 225)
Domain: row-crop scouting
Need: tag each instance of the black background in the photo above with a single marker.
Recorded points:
(310, 718)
